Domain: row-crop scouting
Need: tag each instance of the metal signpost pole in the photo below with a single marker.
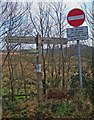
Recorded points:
(79, 64)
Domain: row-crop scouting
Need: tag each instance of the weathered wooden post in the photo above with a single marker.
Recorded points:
(38, 68)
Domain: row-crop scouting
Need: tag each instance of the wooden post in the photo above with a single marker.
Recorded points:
(38, 68)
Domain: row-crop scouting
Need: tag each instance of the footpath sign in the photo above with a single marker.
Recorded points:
(75, 18)
(77, 33)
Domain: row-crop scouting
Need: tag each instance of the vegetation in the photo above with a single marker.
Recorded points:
(57, 102)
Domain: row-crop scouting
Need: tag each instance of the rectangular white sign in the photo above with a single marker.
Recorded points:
(77, 33)
(38, 67)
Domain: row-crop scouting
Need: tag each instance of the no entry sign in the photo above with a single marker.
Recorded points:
(76, 17)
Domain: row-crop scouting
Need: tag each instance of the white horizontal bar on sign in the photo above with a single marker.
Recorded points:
(78, 17)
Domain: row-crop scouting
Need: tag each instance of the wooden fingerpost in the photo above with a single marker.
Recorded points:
(38, 68)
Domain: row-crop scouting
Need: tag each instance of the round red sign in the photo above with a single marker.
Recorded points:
(76, 17)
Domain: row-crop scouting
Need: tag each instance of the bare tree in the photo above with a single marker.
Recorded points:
(13, 17)
(59, 18)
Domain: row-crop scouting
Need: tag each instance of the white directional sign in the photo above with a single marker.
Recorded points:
(77, 33)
